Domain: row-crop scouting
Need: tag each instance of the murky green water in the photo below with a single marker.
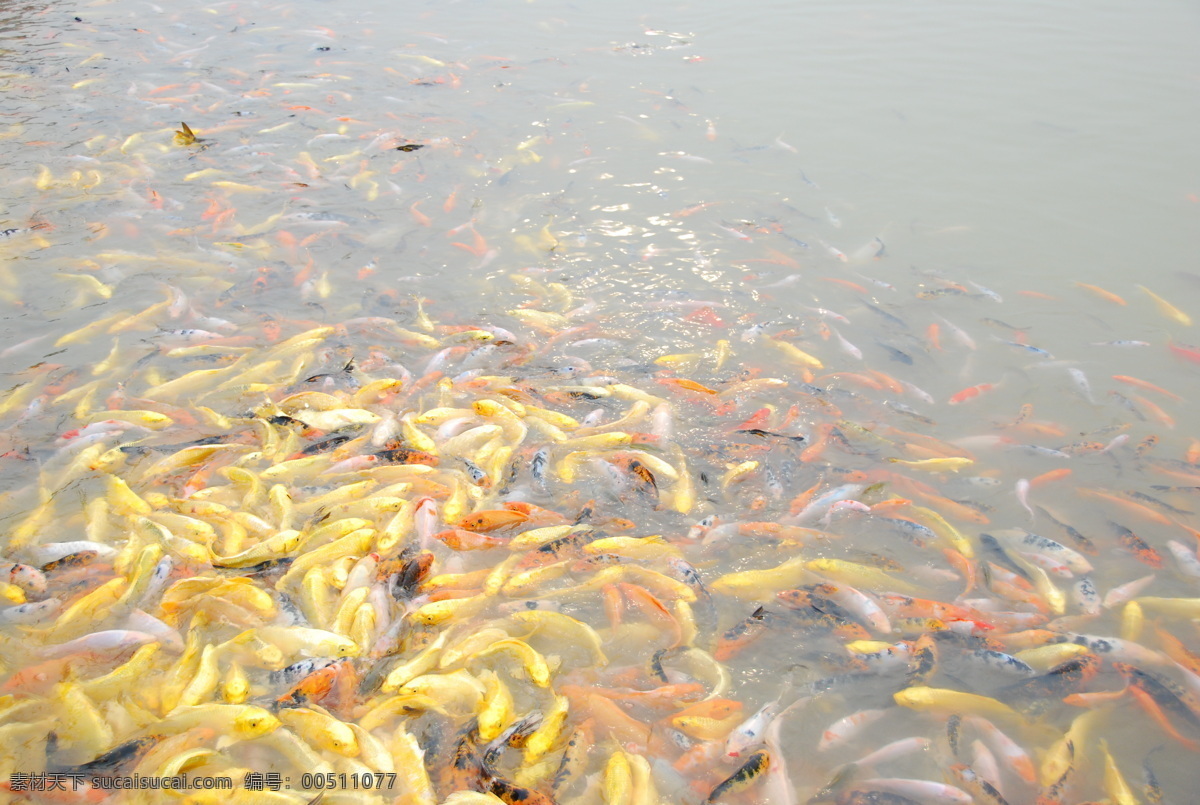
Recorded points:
(926, 253)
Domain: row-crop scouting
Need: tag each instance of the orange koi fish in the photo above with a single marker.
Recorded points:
(1100, 292)
(971, 393)
(1146, 385)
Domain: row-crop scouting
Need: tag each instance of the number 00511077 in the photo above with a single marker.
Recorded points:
(329, 781)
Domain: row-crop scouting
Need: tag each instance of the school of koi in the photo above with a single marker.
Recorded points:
(553, 546)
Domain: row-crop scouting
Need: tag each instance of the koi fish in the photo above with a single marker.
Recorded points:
(971, 392)
(1167, 309)
(746, 775)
